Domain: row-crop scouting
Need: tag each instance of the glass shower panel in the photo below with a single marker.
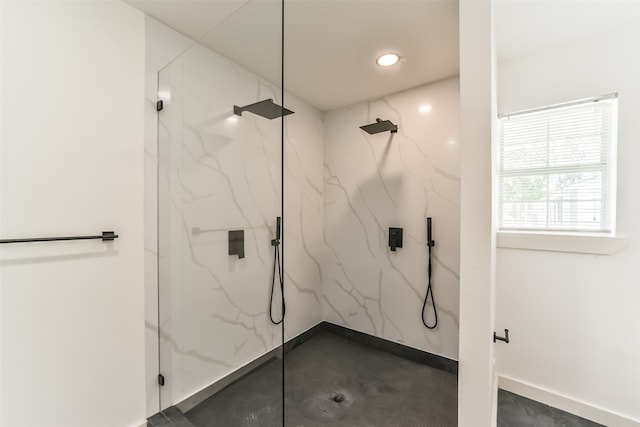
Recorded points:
(371, 156)
(219, 194)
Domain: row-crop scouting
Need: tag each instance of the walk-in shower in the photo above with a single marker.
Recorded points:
(294, 258)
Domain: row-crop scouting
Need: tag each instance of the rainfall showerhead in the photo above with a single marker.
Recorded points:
(380, 126)
(267, 109)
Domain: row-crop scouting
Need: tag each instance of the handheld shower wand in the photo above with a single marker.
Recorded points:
(276, 261)
(430, 244)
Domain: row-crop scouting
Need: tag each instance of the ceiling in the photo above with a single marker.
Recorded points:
(330, 45)
(524, 27)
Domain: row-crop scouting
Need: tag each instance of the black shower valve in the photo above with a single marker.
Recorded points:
(236, 243)
(395, 238)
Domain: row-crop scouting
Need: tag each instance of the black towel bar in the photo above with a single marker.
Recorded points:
(106, 236)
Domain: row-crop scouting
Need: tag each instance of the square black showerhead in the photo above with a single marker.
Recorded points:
(267, 109)
(380, 126)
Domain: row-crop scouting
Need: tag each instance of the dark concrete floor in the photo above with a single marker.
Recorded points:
(255, 400)
(378, 388)
(518, 411)
(332, 381)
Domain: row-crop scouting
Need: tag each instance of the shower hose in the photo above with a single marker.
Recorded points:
(430, 244)
(276, 261)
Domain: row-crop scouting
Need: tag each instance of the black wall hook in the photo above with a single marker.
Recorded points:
(498, 338)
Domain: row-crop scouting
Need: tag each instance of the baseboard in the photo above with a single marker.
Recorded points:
(565, 403)
(303, 337)
(419, 356)
(202, 395)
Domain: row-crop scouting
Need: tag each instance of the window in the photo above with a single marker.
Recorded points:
(557, 167)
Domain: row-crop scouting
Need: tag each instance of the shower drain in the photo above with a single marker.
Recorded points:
(337, 397)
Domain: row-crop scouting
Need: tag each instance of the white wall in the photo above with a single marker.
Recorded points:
(373, 182)
(72, 155)
(476, 383)
(574, 318)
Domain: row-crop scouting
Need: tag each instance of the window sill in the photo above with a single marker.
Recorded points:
(574, 243)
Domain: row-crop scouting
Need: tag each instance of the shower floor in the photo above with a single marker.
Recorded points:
(333, 381)
(330, 380)
(515, 410)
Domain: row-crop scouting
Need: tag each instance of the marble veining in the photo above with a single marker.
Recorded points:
(301, 289)
(175, 347)
(219, 172)
(334, 180)
(343, 189)
(373, 182)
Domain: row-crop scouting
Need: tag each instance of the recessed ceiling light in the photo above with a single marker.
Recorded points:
(388, 59)
(426, 108)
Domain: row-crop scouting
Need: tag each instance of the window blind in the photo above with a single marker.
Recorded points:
(555, 167)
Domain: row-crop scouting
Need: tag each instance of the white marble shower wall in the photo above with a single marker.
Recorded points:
(303, 217)
(373, 182)
(220, 172)
(343, 189)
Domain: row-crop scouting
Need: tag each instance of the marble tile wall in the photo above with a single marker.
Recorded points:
(303, 199)
(220, 172)
(373, 182)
